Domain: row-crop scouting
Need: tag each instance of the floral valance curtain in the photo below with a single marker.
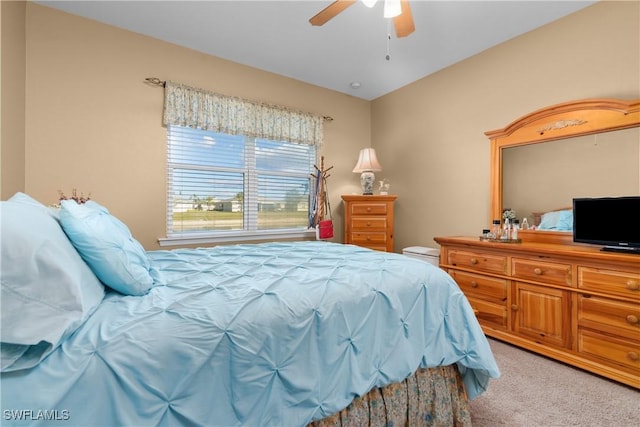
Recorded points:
(198, 108)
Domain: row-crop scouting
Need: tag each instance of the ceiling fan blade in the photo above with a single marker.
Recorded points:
(330, 11)
(403, 23)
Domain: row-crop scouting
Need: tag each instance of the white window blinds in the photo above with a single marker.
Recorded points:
(220, 182)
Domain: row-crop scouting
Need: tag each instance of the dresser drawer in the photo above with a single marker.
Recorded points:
(478, 261)
(541, 271)
(366, 223)
(620, 283)
(613, 317)
(476, 286)
(370, 208)
(488, 314)
(624, 353)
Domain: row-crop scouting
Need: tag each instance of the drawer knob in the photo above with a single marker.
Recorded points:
(633, 285)
(632, 319)
(632, 355)
(514, 307)
(473, 261)
(537, 271)
(368, 209)
(474, 284)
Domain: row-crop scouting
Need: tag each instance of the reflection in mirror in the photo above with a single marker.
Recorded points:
(543, 177)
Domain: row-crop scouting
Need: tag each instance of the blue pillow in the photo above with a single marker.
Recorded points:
(106, 244)
(557, 220)
(47, 290)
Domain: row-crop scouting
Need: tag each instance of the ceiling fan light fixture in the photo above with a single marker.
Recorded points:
(392, 8)
(399, 10)
(369, 3)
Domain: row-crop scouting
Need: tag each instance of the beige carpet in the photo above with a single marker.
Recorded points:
(539, 392)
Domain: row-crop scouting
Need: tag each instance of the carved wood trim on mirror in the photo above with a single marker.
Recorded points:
(554, 123)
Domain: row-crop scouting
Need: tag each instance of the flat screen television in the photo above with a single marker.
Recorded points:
(610, 221)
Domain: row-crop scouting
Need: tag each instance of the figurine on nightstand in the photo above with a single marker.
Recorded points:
(384, 187)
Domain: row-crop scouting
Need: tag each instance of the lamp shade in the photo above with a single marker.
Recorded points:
(367, 161)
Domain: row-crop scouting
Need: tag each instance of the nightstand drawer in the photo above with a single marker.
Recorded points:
(487, 288)
(614, 317)
(364, 239)
(369, 209)
(620, 283)
(478, 261)
(625, 353)
(369, 223)
(540, 271)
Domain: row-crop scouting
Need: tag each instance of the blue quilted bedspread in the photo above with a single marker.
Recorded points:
(275, 334)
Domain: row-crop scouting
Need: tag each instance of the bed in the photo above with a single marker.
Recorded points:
(97, 331)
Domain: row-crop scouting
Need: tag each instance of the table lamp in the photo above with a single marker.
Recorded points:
(366, 166)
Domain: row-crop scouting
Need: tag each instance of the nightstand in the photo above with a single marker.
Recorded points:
(368, 221)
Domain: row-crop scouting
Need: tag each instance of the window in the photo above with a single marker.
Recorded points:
(223, 186)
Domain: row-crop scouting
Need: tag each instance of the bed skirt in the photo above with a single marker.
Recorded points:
(430, 397)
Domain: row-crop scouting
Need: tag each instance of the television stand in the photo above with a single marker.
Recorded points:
(622, 249)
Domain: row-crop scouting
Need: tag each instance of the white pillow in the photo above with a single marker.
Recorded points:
(47, 290)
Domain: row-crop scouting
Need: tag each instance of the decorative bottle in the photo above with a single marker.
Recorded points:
(496, 231)
(525, 224)
(515, 228)
(506, 233)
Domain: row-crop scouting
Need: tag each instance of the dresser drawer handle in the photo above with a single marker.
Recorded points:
(473, 261)
(368, 209)
(514, 307)
(537, 271)
(632, 319)
(368, 223)
(632, 355)
(474, 284)
(633, 285)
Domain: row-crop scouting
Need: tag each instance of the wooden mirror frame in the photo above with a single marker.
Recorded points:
(560, 121)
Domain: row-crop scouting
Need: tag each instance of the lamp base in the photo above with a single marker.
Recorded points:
(367, 178)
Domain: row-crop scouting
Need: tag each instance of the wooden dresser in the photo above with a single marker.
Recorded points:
(368, 221)
(573, 303)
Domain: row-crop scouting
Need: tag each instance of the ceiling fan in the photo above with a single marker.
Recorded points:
(399, 10)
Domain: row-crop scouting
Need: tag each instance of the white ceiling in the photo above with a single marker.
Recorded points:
(276, 35)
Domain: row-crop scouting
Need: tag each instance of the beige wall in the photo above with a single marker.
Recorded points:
(429, 135)
(12, 105)
(93, 124)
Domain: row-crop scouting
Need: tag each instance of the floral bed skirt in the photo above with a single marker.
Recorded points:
(430, 397)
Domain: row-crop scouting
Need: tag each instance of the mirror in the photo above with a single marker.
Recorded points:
(539, 178)
(588, 148)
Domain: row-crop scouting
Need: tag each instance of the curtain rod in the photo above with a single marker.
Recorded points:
(154, 81)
